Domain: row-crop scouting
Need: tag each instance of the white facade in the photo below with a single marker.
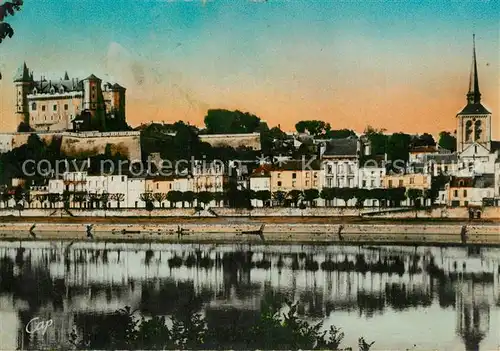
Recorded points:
(135, 187)
(260, 183)
(371, 178)
(340, 173)
(56, 186)
(478, 194)
(5, 142)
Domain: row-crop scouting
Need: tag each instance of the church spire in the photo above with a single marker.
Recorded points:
(473, 96)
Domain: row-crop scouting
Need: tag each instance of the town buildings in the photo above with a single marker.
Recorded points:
(337, 171)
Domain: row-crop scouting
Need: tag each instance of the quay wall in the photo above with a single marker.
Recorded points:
(459, 213)
(417, 234)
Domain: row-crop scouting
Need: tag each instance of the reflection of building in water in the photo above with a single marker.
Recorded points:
(473, 313)
(100, 278)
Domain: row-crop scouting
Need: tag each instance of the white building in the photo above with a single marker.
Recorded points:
(135, 187)
(260, 180)
(340, 165)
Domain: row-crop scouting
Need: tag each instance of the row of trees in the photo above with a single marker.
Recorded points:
(387, 197)
(272, 330)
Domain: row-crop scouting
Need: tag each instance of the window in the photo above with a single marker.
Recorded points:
(412, 180)
(43, 108)
(364, 183)
(329, 169)
(123, 178)
(315, 183)
(455, 193)
(315, 175)
(307, 175)
(279, 183)
(33, 106)
(373, 183)
(65, 107)
(294, 175)
(401, 183)
(279, 175)
(157, 185)
(307, 183)
(390, 183)
(465, 193)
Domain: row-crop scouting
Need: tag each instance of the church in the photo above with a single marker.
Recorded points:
(477, 152)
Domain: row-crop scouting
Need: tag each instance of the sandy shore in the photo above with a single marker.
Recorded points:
(298, 230)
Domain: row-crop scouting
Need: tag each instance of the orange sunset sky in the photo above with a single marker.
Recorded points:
(402, 66)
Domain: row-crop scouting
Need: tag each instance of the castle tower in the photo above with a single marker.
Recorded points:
(23, 82)
(118, 100)
(92, 94)
(474, 121)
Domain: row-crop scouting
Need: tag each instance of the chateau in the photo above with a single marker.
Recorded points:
(67, 104)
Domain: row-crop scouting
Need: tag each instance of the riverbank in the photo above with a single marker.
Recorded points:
(258, 230)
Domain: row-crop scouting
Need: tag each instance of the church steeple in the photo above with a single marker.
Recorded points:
(473, 96)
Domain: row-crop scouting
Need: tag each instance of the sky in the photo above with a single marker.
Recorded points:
(399, 65)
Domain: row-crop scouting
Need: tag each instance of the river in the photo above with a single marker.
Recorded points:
(401, 297)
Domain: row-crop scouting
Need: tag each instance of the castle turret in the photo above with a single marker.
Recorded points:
(92, 94)
(23, 82)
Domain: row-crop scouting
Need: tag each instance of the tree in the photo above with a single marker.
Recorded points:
(277, 326)
(94, 200)
(8, 8)
(66, 198)
(174, 197)
(378, 140)
(19, 194)
(220, 121)
(328, 194)
(148, 200)
(54, 199)
(423, 140)
(414, 195)
(264, 196)
(345, 194)
(396, 195)
(310, 195)
(295, 195)
(314, 127)
(361, 195)
(28, 198)
(104, 199)
(160, 197)
(447, 141)
(341, 134)
(398, 148)
(205, 197)
(279, 197)
(219, 197)
(189, 197)
(80, 197)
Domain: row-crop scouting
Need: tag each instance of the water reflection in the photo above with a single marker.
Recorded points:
(79, 283)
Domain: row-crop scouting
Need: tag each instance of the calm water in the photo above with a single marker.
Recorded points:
(402, 297)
